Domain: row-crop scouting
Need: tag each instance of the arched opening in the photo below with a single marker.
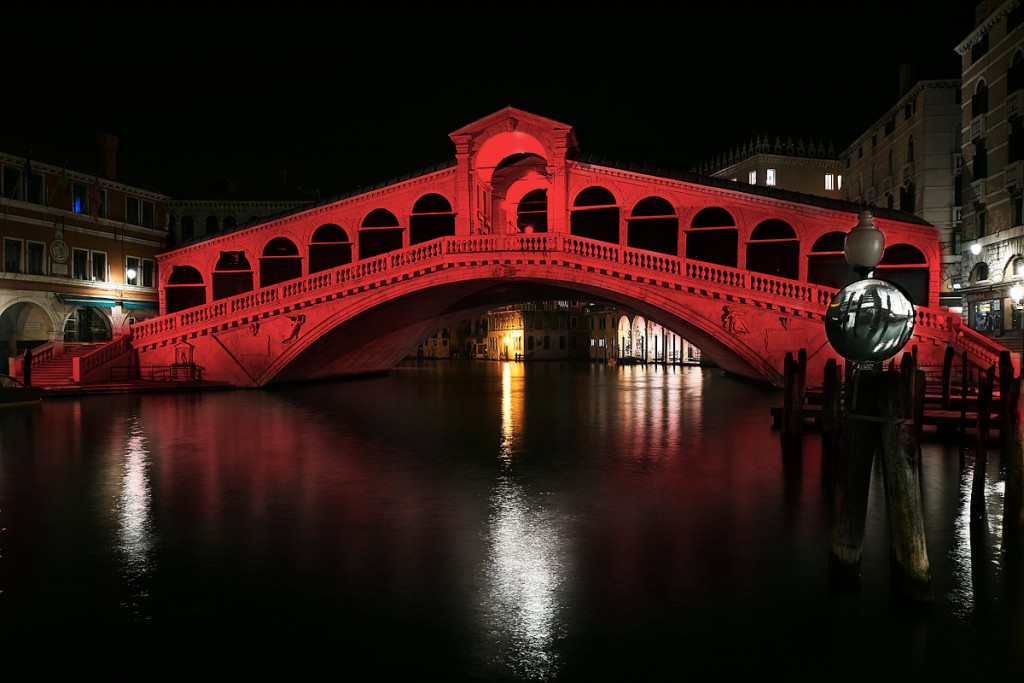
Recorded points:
(532, 212)
(826, 263)
(654, 226)
(905, 266)
(232, 275)
(185, 289)
(280, 262)
(379, 234)
(330, 248)
(713, 237)
(595, 215)
(773, 249)
(432, 217)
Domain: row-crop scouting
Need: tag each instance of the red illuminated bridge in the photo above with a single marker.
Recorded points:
(349, 286)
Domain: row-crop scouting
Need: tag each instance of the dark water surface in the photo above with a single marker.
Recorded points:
(472, 521)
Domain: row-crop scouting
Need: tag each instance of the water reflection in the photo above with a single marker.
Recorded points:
(524, 570)
(135, 526)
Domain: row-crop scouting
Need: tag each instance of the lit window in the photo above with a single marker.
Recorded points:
(769, 177)
(829, 181)
(839, 182)
(752, 177)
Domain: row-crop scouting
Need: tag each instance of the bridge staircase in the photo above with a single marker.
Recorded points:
(55, 370)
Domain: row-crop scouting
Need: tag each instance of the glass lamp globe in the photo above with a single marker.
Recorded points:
(869, 321)
(864, 245)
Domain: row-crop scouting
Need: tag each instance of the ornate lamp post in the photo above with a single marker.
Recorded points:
(870, 320)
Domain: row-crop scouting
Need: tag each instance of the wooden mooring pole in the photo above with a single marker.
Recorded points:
(880, 420)
(911, 574)
(794, 378)
(1013, 462)
(831, 406)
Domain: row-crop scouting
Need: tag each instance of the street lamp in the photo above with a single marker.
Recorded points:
(864, 245)
(870, 320)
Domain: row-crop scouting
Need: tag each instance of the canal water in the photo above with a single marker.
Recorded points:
(473, 521)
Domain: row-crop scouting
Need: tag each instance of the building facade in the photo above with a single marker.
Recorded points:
(909, 160)
(992, 144)
(79, 253)
(809, 168)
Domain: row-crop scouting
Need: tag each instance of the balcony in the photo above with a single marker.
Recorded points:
(977, 191)
(908, 172)
(1013, 104)
(1012, 175)
(978, 126)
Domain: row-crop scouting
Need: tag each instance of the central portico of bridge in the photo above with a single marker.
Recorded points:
(347, 287)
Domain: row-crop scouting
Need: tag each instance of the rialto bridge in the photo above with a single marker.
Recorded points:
(349, 286)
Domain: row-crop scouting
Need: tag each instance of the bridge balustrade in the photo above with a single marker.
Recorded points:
(746, 284)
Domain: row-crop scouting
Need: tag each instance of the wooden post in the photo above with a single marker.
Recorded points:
(858, 442)
(1005, 378)
(984, 407)
(900, 456)
(963, 405)
(985, 382)
(1013, 496)
(792, 401)
(947, 375)
(831, 406)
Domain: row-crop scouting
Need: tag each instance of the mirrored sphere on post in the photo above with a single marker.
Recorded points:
(869, 321)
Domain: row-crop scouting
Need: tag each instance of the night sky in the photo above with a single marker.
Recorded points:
(342, 100)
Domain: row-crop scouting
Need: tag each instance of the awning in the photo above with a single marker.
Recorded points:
(104, 302)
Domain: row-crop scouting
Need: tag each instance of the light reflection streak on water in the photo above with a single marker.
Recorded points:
(135, 533)
(962, 595)
(967, 551)
(523, 571)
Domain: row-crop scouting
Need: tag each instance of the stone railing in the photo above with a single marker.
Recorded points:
(758, 287)
(84, 368)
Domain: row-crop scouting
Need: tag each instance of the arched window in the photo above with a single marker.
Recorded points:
(432, 217)
(330, 248)
(906, 266)
(280, 262)
(379, 234)
(979, 101)
(185, 289)
(653, 226)
(532, 212)
(773, 249)
(826, 263)
(232, 275)
(595, 215)
(713, 237)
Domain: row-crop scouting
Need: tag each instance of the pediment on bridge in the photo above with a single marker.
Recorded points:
(514, 131)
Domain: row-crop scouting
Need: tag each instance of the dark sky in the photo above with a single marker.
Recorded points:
(341, 100)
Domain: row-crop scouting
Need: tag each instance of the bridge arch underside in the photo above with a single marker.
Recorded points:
(377, 339)
(371, 332)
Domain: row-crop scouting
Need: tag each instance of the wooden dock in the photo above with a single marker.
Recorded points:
(950, 419)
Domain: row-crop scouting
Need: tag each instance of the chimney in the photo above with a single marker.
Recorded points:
(908, 78)
(108, 151)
